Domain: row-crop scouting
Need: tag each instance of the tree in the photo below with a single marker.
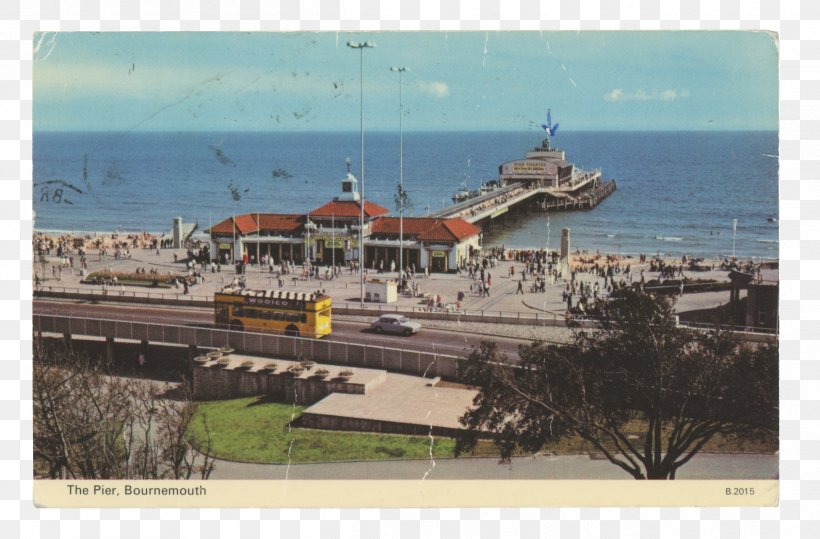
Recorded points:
(639, 372)
(91, 424)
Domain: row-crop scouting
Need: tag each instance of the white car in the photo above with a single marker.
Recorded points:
(395, 323)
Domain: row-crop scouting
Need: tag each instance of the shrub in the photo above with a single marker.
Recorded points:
(99, 277)
(307, 364)
(296, 369)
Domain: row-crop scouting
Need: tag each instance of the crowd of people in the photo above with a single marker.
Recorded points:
(497, 200)
(582, 280)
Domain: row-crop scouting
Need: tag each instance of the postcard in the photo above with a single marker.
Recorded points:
(321, 269)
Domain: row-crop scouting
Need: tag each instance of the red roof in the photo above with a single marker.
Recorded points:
(427, 228)
(268, 223)
(349, 208)
(456, 228)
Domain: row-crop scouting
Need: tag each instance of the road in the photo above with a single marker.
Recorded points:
(702, 466)
(427, 340)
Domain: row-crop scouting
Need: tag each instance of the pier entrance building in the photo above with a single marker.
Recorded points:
(329, 235)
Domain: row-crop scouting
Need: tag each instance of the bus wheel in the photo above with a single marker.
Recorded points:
(236, 325)
(292, 331)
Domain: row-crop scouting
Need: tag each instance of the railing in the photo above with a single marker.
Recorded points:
(177, 320)
(349, 308)
(417, 362)
(472, 201)
(550, 319)
(728, 327)
(113, 294)
(513, 200)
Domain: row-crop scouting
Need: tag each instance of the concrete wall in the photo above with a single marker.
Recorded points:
(321, 351)
(331, 422)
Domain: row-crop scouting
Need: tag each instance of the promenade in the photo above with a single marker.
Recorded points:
(345, 289)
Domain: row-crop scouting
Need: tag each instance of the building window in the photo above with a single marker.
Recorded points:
(763, 318)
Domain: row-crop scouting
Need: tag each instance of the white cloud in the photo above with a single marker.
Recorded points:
(615, 95)
(434, 88)
(671, 94)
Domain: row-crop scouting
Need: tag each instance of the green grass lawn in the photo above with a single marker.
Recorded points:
(254, 430)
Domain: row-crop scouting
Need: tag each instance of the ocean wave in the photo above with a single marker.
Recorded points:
(669, 238)
(768, 241)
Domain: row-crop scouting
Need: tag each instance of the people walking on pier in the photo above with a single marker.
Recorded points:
(520, 289)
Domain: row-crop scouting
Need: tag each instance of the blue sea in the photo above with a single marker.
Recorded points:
(678, 192)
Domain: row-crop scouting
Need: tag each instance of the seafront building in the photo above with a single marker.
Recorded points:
(329, 235)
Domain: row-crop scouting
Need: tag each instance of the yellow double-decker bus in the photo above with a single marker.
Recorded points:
(291, 313)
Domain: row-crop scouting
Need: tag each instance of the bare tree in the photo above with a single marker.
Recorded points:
(93, 425)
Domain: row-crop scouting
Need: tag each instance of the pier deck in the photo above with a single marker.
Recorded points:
(577, 194)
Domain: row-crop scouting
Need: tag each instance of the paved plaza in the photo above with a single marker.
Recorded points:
(503, 296)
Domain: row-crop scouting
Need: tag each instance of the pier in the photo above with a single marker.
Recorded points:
(544, 180)
(584, 191)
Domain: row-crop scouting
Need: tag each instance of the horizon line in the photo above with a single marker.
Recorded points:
(454, 130)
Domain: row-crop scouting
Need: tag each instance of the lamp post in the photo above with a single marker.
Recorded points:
(734, 236)
(400, 71)
(361, 46)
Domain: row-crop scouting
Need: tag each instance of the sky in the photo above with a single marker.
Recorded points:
(506, 81)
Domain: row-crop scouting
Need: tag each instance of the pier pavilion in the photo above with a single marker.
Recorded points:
(329, 235)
